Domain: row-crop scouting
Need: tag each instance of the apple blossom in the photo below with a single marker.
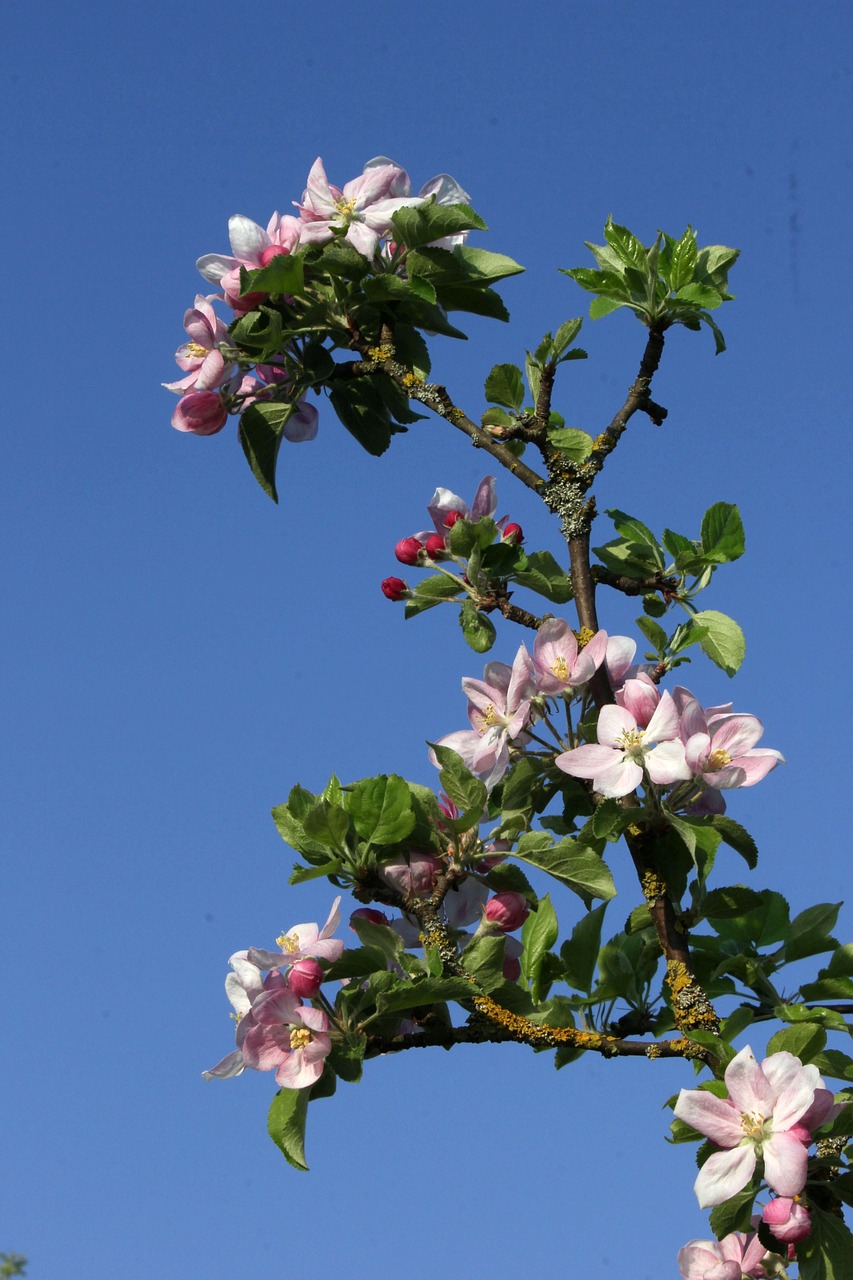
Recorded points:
(289, 1038)
(447, 507)
(201, 413)
(558, 663)
(413, 875)
(731, 1258)
(249, 243)
(499, 709)
(720, 747)
(305, 978)
(445, 189)
(625, 752)
(206, 367)
(770, 1112)
(303, 941)
(394, 588)
(362, 209)
(243, 986)
(507, 911)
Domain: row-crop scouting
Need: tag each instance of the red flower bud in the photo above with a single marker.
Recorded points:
(451, 518)
(305, 979)
(435, 545)
(408, 550)
(370, 914)
(511, 968)
(507, 910)
(394, 588)
(513, 533)
(272, 251)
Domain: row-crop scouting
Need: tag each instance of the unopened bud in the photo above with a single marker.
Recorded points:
(512, 533)
(305, 979)
(394, 588)
(413, 875)
(435, 546)
(507, 910)
(272, 251)
(408, 550)
(451, 518)
(787, 1219)
(370, 914)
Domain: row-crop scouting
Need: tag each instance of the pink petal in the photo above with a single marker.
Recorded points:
(613, 722)
(619, 780)
(296, 1073)
(736, 734)
(485, 500)
(667, 764)
(785, 1164)
(641, 698)
(587, 761)
(230, 1066)
(714, 1117)
(749, 1089)
(723, 1175)
(663, 726)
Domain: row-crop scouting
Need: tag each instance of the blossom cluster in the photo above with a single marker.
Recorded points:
(359, 212)
(770, 1115)
(644, 737)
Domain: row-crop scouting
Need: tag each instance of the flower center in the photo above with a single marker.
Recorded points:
(489, 718)
(346, 208)
(196, 351)
(288, 942)
(718, 759)
(560, 668)
(753, 1125)
(632, 742)
(300, 1037)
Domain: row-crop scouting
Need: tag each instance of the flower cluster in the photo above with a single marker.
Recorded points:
(276, 1031)
(359, 212)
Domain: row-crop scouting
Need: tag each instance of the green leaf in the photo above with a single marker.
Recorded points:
(533, 374)
(381, 809)
(803, 1040)
(423, 991)
(538, 935)
(259, 333)
(420, 224)
(364, 414)
(357, 962)
(633, 559)
(496, 418)
(827, 1254)
(505, 386)
(483, 958)
(327, 823)
(579, 868)
(484, 265)
(734, 1214)
(625, 245)
(284, 274)
(477, 629)
(736, 1022)
(261, 432)
(431, 591)
(467, 792)
(411, 350)
(723, 642)
(286, 1125)
(544, 576)
(700, 295)
(655, 635)
(634, 530)
(565, 336)
(579, 953)
(683, 260)
(712, 266)
(576, 445)
(735, 900)
(471, 535)
(600, 307)
(737, 838)
(723, 537)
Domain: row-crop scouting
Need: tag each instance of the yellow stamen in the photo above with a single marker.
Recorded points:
(196, 351)
(346, 208)
(488, 718)
(288, 942)
(719, 759)
(560, 668)
(752, 1124)
(300, 1037)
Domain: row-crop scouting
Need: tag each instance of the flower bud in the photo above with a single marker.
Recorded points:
(787, 1219)
(451, 518)
(435, 546)
(408, 550)
(394, 588)
(201, 413)
(413, 875)
(370, 914)
(512, 533)
(272, 251)
(305, 979)
(508, 910)
(512, 959)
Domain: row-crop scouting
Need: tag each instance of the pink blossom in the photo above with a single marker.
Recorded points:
(447, 507)
(303, 941)
(619, 661)
(764, 1115)
(465, 902)
(558, 663)
(249, 243)
(305, 978)
(206, 367)
(201, 413)
(731, 1258)
(445, 189)
(413, 875)
(498, 709)
(787, 1219)
(362, 209)
(243, 986)
(624, 751)
(289, 1038)
(720, 747)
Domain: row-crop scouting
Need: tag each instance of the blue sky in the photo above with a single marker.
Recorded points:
(178, 651)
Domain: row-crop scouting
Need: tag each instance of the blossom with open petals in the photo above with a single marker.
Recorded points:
(624, 751)
(498, 709)
(445, 189)
(771, 1112)
(559, 663)
(205, 366)
(362, 209)
(731, 1258)
(289, 1038)
(446, 506)
(301, 942)
(250, 244)
(243, 986)
(720, 747)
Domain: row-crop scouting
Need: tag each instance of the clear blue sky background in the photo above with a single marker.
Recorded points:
(177, 651)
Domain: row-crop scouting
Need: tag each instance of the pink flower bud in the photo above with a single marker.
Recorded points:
(415, 875)
(787, 1219)
(507, 910)
(512, 533)
(435, 546)
(370, 914)
(408, 550)
(394, 588)
(272, 251)
(201, 413)
(305, 978)
(451, 518)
